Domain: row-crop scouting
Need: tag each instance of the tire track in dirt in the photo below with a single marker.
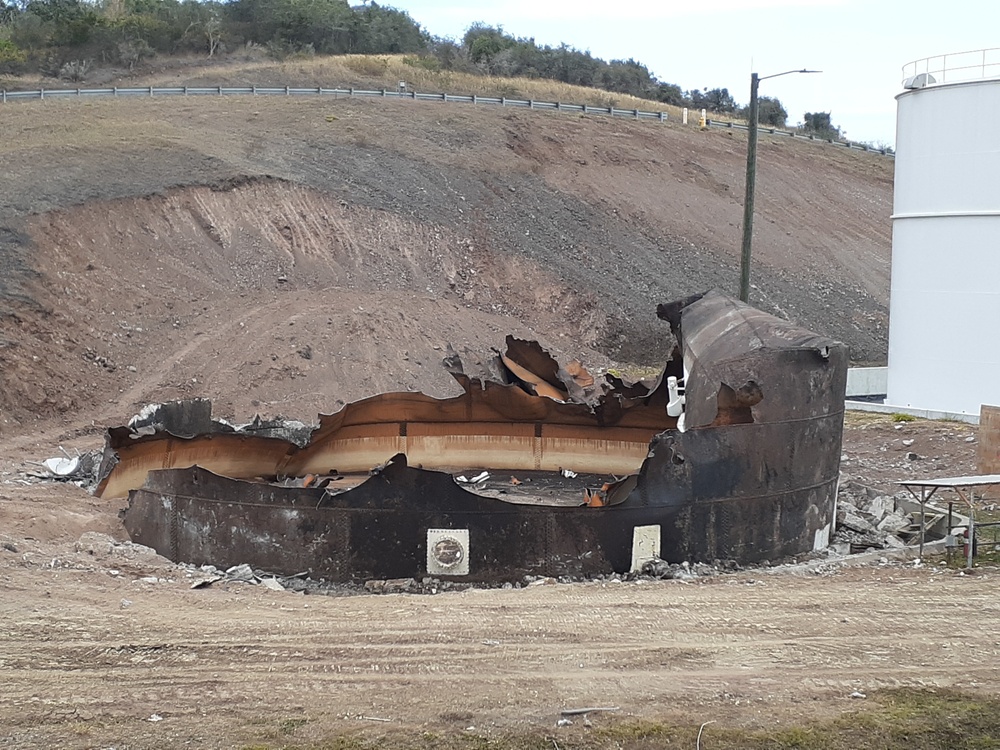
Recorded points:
(144, 390)
(758, 647)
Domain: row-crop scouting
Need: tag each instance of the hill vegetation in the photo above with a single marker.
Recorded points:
(70, 39)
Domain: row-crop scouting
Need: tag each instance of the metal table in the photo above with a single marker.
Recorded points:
(961, 486)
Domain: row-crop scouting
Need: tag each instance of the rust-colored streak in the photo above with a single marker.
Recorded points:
(357, 448)
(493, 427)
(503, 445)
(233, 455)
(540, 386)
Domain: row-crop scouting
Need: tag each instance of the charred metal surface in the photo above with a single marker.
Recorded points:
(751, 476)
(182, 418)
(757, 468)
(491, 425)
(378, 529)
(537, 371)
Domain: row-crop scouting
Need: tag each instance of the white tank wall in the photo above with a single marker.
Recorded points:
(944, 309)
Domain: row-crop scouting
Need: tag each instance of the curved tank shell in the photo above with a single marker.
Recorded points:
(752, 476)
(945, 291)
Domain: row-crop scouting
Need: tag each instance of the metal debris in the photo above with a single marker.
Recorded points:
(242, 573)
(205, 582)
(751, 476)
(81, 468)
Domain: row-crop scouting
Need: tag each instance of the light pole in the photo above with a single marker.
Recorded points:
(752, 179)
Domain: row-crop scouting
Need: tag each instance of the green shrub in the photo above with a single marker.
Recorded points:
(12, 57)
(373, 67)
(426, 63)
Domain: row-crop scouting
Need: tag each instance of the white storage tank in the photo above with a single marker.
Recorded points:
(944, 309)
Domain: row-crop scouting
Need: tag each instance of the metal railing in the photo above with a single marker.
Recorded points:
(955, 67)
(150, 91)
(802, 136)
(587, 109)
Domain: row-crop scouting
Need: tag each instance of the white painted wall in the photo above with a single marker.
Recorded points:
(866, 381)
(944, 309)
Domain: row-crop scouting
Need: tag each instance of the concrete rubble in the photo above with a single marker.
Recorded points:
(868, 519)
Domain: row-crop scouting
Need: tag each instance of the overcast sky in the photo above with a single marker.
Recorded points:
(861, 47)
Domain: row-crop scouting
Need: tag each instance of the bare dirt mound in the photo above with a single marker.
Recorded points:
(269, 297)
(282, 253)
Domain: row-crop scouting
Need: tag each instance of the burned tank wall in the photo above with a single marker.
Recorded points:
(792, 373)
(743, 492)
(380, 529)
(752, 476)
(759, 461)
(491, 425)
(706, 494)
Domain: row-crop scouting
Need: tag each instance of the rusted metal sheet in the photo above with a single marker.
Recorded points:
(752, 476)
(491, 425)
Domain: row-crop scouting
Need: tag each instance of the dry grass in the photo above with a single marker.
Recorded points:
(358, 71)
(900, 719)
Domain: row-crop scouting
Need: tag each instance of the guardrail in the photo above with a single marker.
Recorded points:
(587, 109)
(803, 136)
(148, 91)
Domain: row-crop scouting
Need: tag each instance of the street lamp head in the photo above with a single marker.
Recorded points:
(775, 75)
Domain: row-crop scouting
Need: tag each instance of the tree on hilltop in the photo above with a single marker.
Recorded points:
(819, 123)
(770, 111)
(714, 100)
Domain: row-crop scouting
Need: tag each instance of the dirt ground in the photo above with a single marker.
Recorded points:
(284, 256)
(100, 636)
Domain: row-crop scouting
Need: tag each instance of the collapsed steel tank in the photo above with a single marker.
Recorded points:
(733, 453)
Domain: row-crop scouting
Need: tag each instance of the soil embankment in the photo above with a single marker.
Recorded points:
(280, 254)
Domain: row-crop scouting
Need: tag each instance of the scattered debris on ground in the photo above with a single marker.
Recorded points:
(869, 519)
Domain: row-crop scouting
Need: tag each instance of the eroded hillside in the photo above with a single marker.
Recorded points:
(283, 254)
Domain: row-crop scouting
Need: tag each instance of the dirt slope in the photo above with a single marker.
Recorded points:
(238, 233)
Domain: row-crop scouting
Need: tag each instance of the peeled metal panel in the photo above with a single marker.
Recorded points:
(231, 454)
(540, 386)
(760, 489)
(489, 426)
